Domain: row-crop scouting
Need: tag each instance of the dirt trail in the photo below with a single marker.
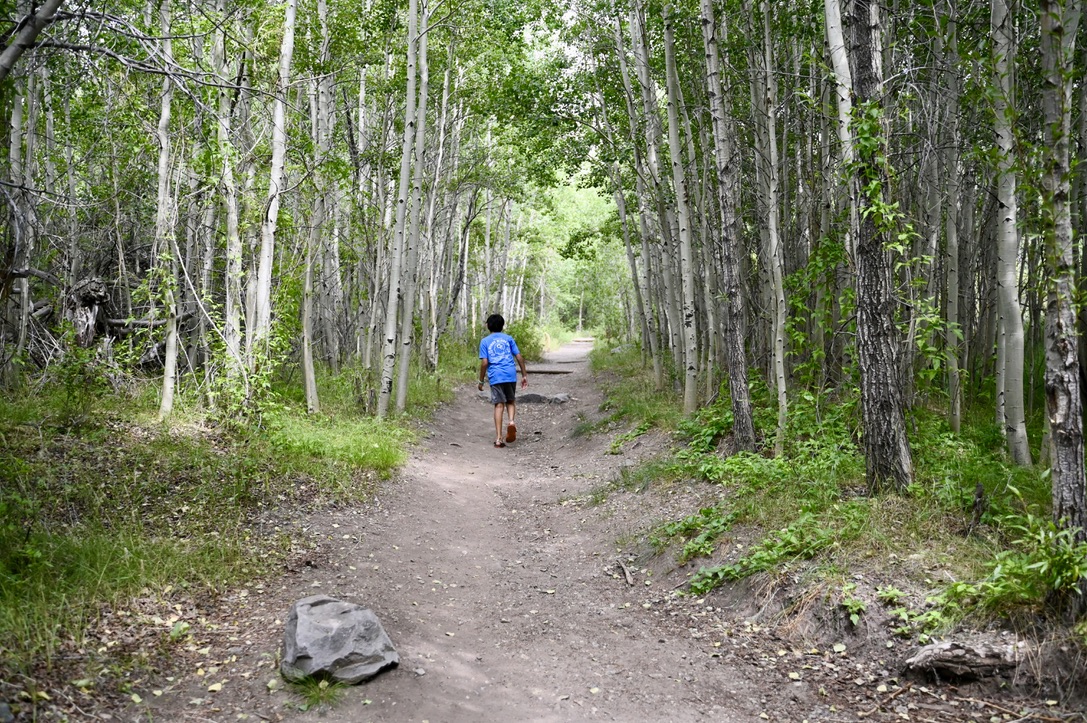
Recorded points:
(497, 594)
(500, 587)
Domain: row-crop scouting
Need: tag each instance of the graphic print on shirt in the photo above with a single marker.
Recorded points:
(498, 352)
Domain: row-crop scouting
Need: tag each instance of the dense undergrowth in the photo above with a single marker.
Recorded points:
(972, 533)
(99, 502)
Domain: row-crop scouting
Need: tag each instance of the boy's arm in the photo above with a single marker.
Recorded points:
(482, 371)
(524, 372)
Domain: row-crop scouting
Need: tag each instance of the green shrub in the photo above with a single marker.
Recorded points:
(529, 338)
(801, 540)
(700, 530)
(1044, 564)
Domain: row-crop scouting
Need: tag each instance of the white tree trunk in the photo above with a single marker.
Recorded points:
(952, 171)
(686, 253)
(1064, 401)
(665, 222)
(1008, 235)
(407, 321)
(232, 275)
(163, 232)
(392, 306)
(644, 213)
(309, 376)
(262, 324)
(727, 199)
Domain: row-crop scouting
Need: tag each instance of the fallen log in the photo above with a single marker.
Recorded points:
(979, 658)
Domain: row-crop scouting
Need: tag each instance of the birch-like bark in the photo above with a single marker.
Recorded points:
(28, 33)
(653, 134)
(411, 270)
(686, 253)
(843, 82)
(1014, 416)
(232, 275)
(392, 306)
(644, 210)
(1064, 405)
(743, 427)
(262, 325)
(309, 377)
(163, 231)
(764, 94)
(953, 174)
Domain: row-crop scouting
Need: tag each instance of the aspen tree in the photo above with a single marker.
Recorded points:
(888, 459)
(232, 275)
(1064, 403)
(644, 209)
(743, 428)
(395, 289)
(163, 232)
(414, 239)
(1010, 340)
(764, 97)
(686, 257)
(952, 174)
(262, 324)
(653, 132)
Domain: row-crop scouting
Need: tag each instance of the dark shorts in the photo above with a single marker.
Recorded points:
(504, 392)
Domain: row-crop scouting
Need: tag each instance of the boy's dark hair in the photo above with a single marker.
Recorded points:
(495, 322)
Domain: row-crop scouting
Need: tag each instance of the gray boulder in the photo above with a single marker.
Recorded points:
(330, 638)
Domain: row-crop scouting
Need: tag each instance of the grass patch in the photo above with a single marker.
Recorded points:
(319, 695)
(94, 513)
(324, 446)
(52, 584)
(629, 393)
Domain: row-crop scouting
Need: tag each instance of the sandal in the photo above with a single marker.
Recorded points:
(498, 444)
(511, 432)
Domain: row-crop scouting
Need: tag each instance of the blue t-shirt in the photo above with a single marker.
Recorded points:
(499, 350)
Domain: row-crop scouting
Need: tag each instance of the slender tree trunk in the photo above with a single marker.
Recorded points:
(232, 276)
(653, 133)
(1064, 405)
(953, 173)
(888, 460)
(262, 325)
(1008, 235)
(839, 60)
(764, 94)
(163, 232)
(743, 427)
(411, 271)
(644, 211)
(686, 253)
(388, 356)
(18, 254)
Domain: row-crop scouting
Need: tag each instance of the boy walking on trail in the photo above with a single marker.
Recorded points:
(497, 354)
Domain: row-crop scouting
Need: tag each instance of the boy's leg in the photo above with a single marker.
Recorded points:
(498, 423)
(511, 429)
